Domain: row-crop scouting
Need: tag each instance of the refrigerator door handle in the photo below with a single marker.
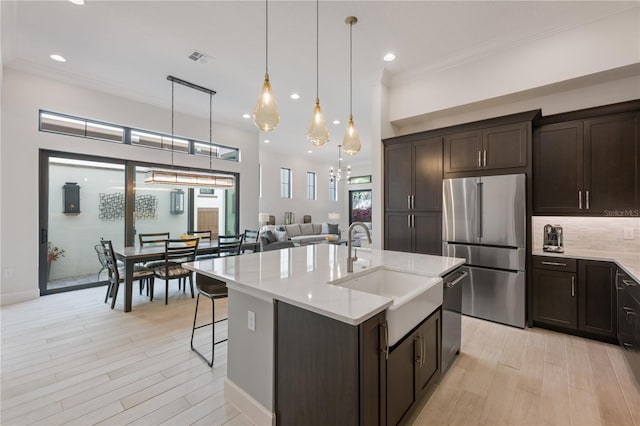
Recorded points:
(479, 217)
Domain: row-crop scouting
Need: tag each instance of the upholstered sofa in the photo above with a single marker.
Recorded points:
(283, 236)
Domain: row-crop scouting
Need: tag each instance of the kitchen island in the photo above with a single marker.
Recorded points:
(302, 293)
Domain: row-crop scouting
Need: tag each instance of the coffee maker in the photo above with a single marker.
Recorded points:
(553, 239)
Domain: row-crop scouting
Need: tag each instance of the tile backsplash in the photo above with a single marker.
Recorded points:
(591, 233)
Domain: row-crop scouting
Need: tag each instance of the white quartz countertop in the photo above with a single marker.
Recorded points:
(300, 276)
(629, 262)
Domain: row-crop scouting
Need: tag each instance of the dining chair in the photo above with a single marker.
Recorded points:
(230, 245)
(116, 272)
(157, 238)
(176, 252)
(250, 241)
(204, 235)
(212, 289)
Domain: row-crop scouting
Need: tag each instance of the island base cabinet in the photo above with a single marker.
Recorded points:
(413, 369)
(327, 372)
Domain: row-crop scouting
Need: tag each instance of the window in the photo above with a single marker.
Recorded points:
(91, 129)
(285, 183)
(333, 190)
(311, 186)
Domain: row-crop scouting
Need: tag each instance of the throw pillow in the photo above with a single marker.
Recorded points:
(281, 235)
(333, 229)
(270, 237)
(317, 228)
(292, 230)
(306, 229)
(325, 228)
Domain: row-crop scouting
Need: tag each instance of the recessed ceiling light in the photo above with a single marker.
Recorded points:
(246, 116)
(58, 58)
(267, 141)
(389, 57)
(295, 96)
(309, 152)
(78, 2)
(336, 122)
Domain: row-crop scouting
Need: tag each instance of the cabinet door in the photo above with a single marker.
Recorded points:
(398, 232)
(554, 298)
(612, 181)
(463, 151)
(400, 380)
(427, 233)
(398, 177)
(372, 371)
(557, 168)
(427, 352)
(597, 298)
(505, 146)
(427, 162)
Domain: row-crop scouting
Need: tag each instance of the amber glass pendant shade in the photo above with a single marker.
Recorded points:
(317, 132)
(351, 142)
(266, 115)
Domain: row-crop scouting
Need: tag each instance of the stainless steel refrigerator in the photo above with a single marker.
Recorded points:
(484, 222)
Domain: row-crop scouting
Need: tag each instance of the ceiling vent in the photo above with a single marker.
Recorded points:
(199, 57)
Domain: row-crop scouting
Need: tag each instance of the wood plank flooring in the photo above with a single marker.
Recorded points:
(69, 359)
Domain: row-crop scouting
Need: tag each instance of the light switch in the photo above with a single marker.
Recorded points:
(251, 321)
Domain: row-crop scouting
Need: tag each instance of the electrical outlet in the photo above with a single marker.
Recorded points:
(629, 234)
(251, 321)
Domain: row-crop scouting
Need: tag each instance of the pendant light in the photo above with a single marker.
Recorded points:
(336, 175)
(183, 177)
(351, 141)
(266, 115)
(317, 133)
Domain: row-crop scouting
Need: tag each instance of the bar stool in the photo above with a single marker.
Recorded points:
(212, 289)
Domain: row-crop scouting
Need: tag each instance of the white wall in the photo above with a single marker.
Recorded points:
(607, 44)
(23, 95)
(272, 203)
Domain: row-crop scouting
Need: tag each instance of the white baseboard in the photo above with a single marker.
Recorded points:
(244, 402)
(17, 297)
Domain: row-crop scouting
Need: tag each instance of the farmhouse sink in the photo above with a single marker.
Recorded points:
(414, 297)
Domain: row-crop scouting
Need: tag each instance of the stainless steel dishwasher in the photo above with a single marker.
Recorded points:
(451, 315)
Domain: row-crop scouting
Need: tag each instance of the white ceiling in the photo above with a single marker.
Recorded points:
(129, 48)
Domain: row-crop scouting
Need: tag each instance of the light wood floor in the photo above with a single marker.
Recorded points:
(69, 359)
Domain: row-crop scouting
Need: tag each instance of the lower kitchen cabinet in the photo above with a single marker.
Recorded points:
(413, 368)
(575, 296)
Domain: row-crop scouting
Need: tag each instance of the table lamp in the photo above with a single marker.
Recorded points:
(334, 217)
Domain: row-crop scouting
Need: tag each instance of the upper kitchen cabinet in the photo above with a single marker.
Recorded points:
(413, 175)
(589, 166)
(500, 147)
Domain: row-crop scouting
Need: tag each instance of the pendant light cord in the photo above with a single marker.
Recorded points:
(317, 48)
(210, 128)
(350, 68)
(172, 114)
(266, 38)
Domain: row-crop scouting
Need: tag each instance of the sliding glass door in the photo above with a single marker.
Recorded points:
(84, 199)
(85, 202)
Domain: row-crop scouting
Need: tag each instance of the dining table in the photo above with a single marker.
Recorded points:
(130, 255)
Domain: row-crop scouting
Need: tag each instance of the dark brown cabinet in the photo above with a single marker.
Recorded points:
(327, 371)
(588, 166)
(413, 196)
(413, 176)
(413, 368)
(597, 298)
(575, 295)
(500, 147)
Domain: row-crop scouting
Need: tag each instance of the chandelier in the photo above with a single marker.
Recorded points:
(335, 175)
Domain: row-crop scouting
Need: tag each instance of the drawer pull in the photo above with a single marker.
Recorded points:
(553, 263)
(573, 286)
